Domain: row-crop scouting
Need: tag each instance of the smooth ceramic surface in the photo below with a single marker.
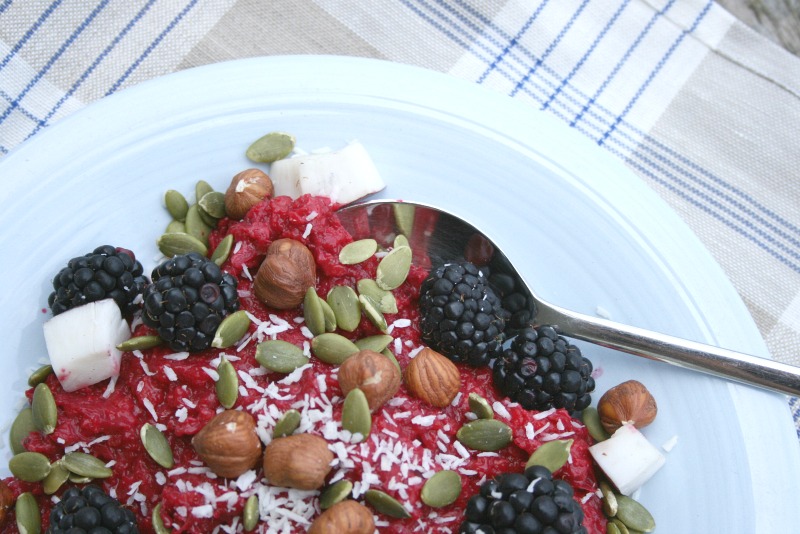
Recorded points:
(589, 234)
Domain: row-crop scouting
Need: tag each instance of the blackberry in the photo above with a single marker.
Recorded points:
(90, 510)
(189, 297)
(461, 316)
(106, 272)
(515, 299)
(532, 503)
(541, 370)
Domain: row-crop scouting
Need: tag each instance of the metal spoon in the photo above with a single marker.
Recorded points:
(437, 236)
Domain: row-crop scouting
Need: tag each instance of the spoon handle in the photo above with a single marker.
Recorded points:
(737, 366)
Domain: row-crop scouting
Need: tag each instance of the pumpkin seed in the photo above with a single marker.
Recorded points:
(335, 493)
(344, 303)
(485, 435)
(177, 243)
(591, 418)
(393, 268)
(56, 478)
(442, 489)
(175, 227)
(375, 343)
(404, 217)
(313, 313)
(201, 188)
(29, 466)
(45, 412)
(196, 226)
(480, 406)
(156, 446)
(176, 204)
(271, 147)
(551, 454)
(609, 499)
(287, 424)
(213, 203)
(385, 299)
(158, 523)
(389, 354)
(356, 416)
(140, 343)
(332, 348)
(86, 465)
(29, 520)
(250, 514)
(78, 479)
(21, 428)
(39, 375)
(633, 515)
(357, 251)
(621, 528)
(372, 312)
(209, 221)
(330, 317)
(227, 385)
(612, 528)
(231, 329)
(280, 356)
(223, 250)
(400, 241)
(386, 504)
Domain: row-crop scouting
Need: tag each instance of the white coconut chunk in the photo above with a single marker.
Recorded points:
(627, 459)
(343, 175)
(82, 343)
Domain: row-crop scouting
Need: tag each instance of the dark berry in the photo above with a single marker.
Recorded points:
(91, 510)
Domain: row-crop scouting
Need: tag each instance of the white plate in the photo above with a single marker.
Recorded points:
(592, 235)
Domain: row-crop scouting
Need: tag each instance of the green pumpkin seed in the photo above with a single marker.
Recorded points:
(591, 419)
(612, 528)
(177, 243)
(385, 299)
(552, 454)
(45, 412)
(158, 523)
(21, 428)
(280, 356)
(176, 203)
(231, 330)
(480, 406)
(485, 435)
(389, 354)
(196, 226)
(227, 385)
(201, 188)
(404, 217)
(609, 499)
(29, 519)
(372, 312)
(343, 300)
(333, 348)
(56, 478)
(209, 221)
(375, 343)
(335, 493)
(287, 424)
(79, 479)
(442, 489)
(40, 375)
(400, 241)
(250, 514)
(358, 251)
(386, 504)
(634, 515)
(213, 203)
(271, 147)
(29, 466)
(393, 268)
(157, 446)
(86, 465)
(175, 227)
(223, 250)
(313, 313)
(621, 528)
(330, 317)
(356, 416)
(140, 343)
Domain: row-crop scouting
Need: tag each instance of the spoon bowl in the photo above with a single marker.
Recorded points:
(437, 236)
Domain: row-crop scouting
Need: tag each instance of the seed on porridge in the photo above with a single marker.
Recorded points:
(250, 514)
(213, 204)
(29, 466)
(332, 348)
(157, 446)
(280, 356)
(86, 465)
(222, 250)
(551, 454)
(140, 343)
(385, 299)
(27, 512)
(56, 478)
(375, 343)
(442, 489)
(485, 435)
(45, 412)
(231, 329)
(227, 385)
(357, 251)
(313, 312)
(372, 312)
(21, 428)
(344, 303)
(336, 492)
(356, 417)
(393, 268)
(287, 424)
(480, 406)
(158, 522)
(386, 504)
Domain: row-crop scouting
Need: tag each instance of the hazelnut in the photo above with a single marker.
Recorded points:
(433, 378)
(300, 461)
(373, 373)
(6, 501)
(247, 189)
(345, 517)
(228, 444)
(627, 403)
(285, 274)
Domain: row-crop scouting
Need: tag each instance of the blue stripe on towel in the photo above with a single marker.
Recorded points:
(29, 32)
